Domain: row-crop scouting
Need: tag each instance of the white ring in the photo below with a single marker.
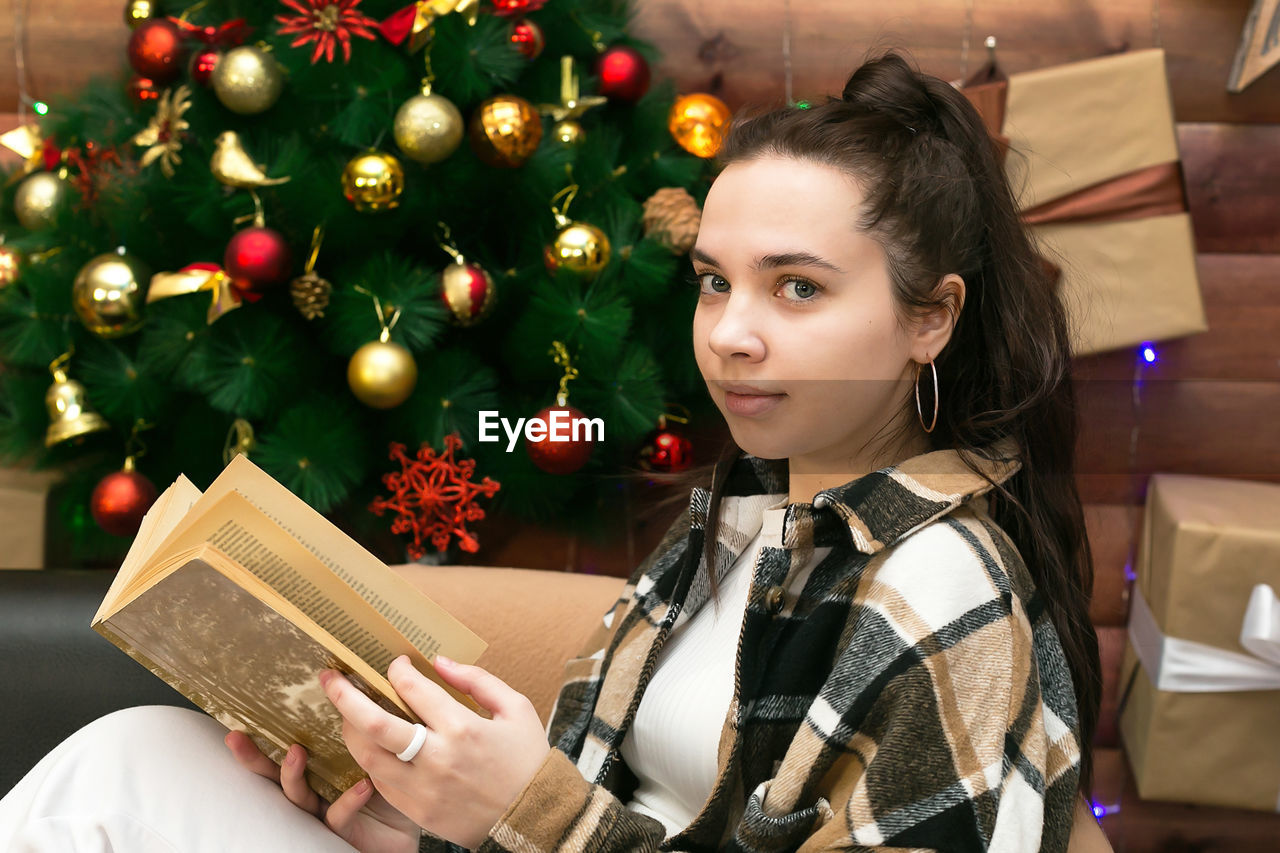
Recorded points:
(419, 738)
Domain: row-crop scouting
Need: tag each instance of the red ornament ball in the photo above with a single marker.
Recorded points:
(527, 37)
(467, 290)
(120, 500)
(259, 255)
(143, 89)
(665, 450)
(156, 49)
(624, 74)
(202, 65)
(508, 8)
(557, 452)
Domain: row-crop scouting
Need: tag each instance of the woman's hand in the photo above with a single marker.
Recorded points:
(361, 817)
(469, 770)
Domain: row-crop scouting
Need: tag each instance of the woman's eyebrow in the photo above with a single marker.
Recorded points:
(778, 259)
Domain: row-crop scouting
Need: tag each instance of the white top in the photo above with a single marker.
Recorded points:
(673, 742)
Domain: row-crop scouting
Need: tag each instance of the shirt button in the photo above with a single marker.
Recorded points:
(775, 598)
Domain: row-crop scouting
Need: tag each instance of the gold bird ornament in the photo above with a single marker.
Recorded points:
(233, 166)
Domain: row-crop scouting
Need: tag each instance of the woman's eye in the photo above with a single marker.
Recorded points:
(712, 283)
(800, 288)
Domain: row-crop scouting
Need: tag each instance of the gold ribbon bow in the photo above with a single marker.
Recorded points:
(226, 296)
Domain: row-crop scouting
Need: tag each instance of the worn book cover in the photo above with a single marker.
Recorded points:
(239, 597)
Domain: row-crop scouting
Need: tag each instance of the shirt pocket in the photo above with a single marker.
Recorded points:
(763, 830)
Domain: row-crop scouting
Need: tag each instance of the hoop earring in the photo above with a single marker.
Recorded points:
(919, 413)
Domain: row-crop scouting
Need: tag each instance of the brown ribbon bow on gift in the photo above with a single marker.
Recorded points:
(1153, 191)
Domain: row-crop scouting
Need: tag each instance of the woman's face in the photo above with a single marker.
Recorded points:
(795, 332)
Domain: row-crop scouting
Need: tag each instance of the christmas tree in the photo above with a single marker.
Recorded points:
(313, 230)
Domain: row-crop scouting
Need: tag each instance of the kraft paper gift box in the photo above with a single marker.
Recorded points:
(24, 497)
(1093, 161)
(1200, 679)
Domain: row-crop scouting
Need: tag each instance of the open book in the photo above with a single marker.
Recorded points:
(240, 596)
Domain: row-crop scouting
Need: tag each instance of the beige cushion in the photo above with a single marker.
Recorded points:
(533, 620)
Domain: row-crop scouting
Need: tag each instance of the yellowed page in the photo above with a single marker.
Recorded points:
(424, 623)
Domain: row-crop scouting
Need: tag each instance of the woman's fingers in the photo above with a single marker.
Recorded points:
(384, 730)
(290, 775)
(342, 812)
(294, 781)
(248, 754)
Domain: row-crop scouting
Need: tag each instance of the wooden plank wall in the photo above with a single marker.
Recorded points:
(1210, 406)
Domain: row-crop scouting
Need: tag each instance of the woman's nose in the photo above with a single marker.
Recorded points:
(737, 333)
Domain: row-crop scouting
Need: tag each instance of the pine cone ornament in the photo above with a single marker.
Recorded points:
(310, 295)
(671, 217)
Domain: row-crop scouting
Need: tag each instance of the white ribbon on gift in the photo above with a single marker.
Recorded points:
(1186, 666)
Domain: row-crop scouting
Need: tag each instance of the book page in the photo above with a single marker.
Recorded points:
(426, 625)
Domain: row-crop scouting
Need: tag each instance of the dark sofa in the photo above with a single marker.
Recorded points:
(57, 673)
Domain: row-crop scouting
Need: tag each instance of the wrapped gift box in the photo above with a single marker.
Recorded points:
(1200, 679)
(1093, 161)
(24, 498)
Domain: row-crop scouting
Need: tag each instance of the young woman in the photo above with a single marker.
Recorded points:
(886, 642)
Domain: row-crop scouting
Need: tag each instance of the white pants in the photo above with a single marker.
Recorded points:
(154, 778)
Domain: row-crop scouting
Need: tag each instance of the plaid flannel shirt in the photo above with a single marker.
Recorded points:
(908, 691)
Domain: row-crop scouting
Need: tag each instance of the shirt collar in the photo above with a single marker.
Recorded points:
(885, 506)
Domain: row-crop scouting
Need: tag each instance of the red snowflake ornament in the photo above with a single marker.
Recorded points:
(433, 497)
(325, 22)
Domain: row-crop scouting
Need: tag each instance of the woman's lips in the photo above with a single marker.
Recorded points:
(751, 405)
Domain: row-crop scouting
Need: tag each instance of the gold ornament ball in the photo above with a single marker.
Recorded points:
(10, 266)
(38, 200)
(568, 133)
(373, 181)
(579, 247)
(137, 11)
(108, 294)
(247, 80)
(428, 128)
(505, 131)
(382, 374)
(698, 123)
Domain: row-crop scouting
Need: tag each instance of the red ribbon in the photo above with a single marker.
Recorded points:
(231, 33)
(397, 27)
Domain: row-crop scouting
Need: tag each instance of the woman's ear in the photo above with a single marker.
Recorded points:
(933, 330)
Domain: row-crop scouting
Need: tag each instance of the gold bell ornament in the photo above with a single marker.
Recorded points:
(382, 373)
(373, 181)
(107, 294)
(579, 247)
(70, 417)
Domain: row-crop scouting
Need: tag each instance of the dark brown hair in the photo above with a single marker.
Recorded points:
(937, 201)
